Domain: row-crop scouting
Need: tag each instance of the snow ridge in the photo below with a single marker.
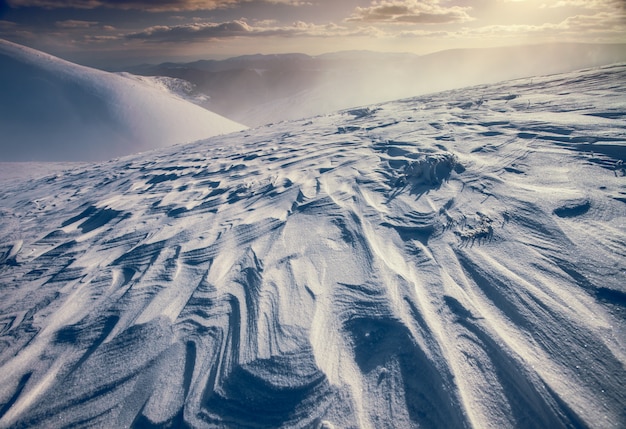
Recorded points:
(53, 110)
(454, 260)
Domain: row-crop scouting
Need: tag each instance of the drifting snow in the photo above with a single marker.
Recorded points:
(448, 261)
(31, 170)
(53, 110)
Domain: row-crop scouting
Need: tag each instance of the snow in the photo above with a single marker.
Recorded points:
(53, 110)
(453, 260)
(31, 170)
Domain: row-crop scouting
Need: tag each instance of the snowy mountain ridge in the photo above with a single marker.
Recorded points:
(453, 260)
(54, 110)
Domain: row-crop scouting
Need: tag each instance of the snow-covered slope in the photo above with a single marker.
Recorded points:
(51, 109)
(448, 261)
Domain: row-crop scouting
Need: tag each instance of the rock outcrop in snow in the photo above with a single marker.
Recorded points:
(435, 263)
(53, 110)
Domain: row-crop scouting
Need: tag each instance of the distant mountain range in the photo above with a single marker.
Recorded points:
(258, 89)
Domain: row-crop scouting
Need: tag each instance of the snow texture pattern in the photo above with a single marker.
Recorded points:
(448, 261)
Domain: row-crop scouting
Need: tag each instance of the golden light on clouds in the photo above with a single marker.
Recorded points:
(232, 27)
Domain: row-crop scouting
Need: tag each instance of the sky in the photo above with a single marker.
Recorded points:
(127, 32)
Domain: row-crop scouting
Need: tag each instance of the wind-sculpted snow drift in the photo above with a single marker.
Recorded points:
(448, 261)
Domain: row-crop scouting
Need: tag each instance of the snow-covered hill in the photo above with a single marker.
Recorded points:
(449, 261)
(51, 109)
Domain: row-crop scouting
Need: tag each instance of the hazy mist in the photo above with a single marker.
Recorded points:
(260, 89)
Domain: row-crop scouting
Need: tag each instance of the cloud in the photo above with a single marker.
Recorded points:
(187, 32)
(290, 2)
(423, 34)
(241, 28)
(144, 5)
(7, 25)
(599, 23)
(14, 31)
(604, 23)
(72, 23)
(410, 12)
(147, 5)
(588, 4)
(100, 39)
